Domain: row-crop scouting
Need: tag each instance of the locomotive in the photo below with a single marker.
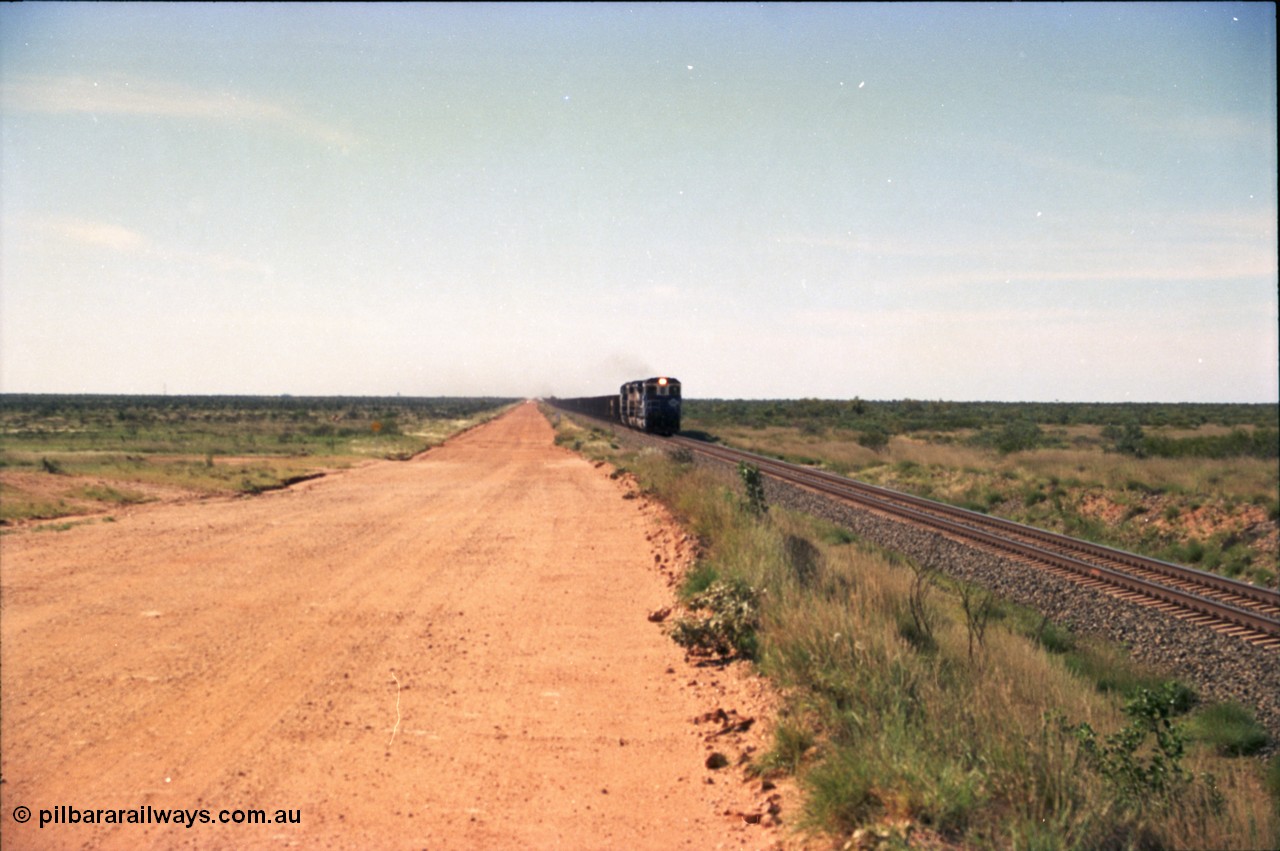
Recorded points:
(649, 404)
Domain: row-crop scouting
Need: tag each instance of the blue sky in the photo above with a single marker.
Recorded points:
(994, 202)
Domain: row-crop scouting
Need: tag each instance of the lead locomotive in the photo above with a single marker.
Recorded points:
(650, 404)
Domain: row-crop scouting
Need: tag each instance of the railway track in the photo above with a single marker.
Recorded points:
(1246, 612)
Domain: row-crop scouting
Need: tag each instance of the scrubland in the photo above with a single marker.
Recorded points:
(1192, 484)
(78, 455)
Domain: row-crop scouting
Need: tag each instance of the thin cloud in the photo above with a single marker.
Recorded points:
(119, 95)
(93, 234)
(63, 233)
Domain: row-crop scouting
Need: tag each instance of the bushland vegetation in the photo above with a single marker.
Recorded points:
(68, 454)
(1194, 484)
(923, 712)
(980, 420)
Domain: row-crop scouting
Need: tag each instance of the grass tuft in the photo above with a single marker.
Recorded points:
(697, 580)
(1230, 728)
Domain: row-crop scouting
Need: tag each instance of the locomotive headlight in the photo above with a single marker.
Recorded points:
(662, 382)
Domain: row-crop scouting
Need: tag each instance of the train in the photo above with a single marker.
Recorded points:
(649, 404)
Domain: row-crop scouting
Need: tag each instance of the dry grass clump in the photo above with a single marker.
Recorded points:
(838, 452)
(1237, 478)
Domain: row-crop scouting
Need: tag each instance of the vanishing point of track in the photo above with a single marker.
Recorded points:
(1247, 612)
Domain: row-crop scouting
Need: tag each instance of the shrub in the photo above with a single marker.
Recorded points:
(1017, 436)
(730, 625)
(918, 629)
(874, 438)
(1154, 776)
(1128, 439)
(751, 480)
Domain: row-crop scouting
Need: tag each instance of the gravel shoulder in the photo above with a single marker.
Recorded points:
(451, 652)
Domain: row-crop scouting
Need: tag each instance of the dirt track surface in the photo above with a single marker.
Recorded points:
(451, 652)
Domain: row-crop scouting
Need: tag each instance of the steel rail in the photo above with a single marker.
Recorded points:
(1267, 597)
(1252, 608)
(1259, 622)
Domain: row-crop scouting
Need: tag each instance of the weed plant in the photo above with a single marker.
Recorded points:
(727, 616)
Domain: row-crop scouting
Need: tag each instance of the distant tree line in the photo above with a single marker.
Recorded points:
(88, 420)
(130, 408)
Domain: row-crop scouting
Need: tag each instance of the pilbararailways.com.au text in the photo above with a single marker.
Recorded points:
(148, 814)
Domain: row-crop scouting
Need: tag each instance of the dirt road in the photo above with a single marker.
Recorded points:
(451, 652)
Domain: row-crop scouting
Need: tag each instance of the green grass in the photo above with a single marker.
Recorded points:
(15, 505)
(792, 743)
(699, 578)
(1230, 728)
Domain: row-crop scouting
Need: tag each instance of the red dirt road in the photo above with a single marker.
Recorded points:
(451, 652)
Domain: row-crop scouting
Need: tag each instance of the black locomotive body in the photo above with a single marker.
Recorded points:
(650, 404)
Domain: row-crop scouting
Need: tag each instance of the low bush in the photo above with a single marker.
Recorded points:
(1137, 770)
(728, 625)
(754, 485)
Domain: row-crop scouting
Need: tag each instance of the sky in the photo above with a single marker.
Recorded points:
(1009, 202)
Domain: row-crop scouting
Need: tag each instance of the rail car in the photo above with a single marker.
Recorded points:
(649, 404)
